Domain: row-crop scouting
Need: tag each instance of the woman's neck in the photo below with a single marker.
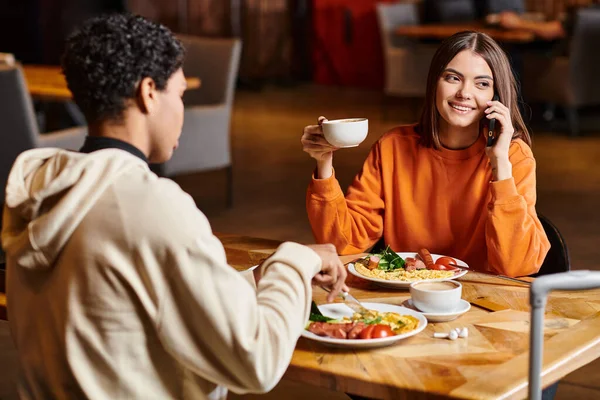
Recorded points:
(457, 138)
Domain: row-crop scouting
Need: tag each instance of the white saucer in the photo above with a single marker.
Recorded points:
(463, 307)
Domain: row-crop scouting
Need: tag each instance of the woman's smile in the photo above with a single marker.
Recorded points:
(461, 108)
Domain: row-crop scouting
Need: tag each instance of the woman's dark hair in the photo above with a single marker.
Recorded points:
(107, 56)
(505, 85)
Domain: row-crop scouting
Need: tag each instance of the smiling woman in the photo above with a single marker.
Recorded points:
(436, 184)
(465, 73)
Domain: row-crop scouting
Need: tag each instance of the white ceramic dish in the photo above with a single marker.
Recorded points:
(406, 284)
(463, 307)
(339, 310)
(349, 132)
(436, 297)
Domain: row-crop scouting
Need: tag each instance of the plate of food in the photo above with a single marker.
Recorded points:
(382, 325)
(399, 270)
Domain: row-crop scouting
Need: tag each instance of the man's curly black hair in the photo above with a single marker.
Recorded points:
(108, 56)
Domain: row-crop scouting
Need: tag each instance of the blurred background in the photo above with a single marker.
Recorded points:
(267, 68)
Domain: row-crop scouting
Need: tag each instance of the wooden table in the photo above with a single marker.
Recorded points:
(443, 31)
(48, 82)
(491, 363)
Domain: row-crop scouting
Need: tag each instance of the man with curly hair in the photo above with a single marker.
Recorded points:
(117, 288)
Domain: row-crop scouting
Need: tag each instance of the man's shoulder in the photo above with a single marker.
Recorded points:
(157, 204)
(141, 183)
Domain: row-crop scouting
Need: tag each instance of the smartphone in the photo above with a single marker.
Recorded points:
(491, 125)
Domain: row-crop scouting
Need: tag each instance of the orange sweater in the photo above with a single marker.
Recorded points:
(443, 200)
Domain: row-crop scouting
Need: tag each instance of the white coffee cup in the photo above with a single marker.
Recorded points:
(349, 132)
(437, 296)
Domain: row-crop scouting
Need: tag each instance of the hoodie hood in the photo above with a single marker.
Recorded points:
(49, 192)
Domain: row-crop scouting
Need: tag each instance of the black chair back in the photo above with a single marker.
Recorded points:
(558, 259)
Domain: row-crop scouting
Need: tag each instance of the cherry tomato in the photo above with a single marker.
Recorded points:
(438, 267)
(381, 331)
(445, 261)
(366, 333)
(443, 267)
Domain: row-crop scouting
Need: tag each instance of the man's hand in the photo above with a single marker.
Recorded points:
(333, 272)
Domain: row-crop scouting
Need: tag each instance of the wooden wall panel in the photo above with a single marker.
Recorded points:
(267, 38)
(264, 26)
(209, 18)
(164, 11)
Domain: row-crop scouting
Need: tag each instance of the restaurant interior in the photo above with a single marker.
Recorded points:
(259, 71)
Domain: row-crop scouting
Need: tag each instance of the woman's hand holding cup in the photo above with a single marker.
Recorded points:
(314, 143)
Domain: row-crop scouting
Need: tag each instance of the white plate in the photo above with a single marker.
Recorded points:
(406, 284)
(463, 307)
(339, 310)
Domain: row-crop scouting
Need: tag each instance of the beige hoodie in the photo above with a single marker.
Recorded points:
(117, 288)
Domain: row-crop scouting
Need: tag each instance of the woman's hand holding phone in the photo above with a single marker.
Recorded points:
(498, 151)
(314, 143)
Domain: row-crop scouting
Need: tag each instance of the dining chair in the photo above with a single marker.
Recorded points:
(538, 293)
(205, 142)
(557, 260)
(406, 60)
(20, 131)
(571, 81)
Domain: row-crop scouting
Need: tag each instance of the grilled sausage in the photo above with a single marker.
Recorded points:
(426, 257)
(373, 262)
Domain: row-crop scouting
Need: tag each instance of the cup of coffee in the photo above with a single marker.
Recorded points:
(437, 296)
(349, 132)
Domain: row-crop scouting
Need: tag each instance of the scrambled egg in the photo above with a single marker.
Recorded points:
(402, 275)
(398, 323)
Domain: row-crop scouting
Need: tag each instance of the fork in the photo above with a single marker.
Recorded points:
(350, 301)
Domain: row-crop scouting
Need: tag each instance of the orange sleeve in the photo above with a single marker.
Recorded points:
(516, 241)
(354, 223)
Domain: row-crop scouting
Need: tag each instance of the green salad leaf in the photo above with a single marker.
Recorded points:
(314, 309)
(389, 260)
(372, 321)
(319, 318)
(316, 315)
